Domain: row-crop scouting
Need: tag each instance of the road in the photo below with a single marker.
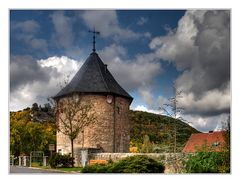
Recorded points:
(17, 169)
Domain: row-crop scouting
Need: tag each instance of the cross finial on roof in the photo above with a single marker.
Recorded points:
(94, 42)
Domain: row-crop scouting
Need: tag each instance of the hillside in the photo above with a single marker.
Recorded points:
(159, 129)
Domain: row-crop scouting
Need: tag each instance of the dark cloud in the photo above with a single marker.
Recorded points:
(25, 70)
(214, 102)
(200, 48)
(36, 80)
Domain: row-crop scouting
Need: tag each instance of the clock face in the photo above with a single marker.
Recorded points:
(109, 99)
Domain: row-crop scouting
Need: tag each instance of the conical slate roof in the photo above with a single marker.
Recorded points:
(93, 77)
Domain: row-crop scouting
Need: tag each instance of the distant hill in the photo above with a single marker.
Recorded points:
(160, 130)
(36, 113)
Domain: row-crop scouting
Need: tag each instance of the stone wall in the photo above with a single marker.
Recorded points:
(174, 162)
(111, 132)
(122, 125)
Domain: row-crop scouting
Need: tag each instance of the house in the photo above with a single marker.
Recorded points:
(211, 141)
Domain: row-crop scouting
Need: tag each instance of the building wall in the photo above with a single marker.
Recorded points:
(173, 162)
(122, 125)
(111, 131)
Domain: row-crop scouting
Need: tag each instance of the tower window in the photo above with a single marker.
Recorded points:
(118, 110)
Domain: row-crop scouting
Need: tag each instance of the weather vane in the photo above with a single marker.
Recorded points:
(94, 42)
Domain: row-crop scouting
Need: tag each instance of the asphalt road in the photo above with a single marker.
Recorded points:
(17, 169)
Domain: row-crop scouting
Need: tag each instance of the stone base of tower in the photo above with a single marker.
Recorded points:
(111, 132)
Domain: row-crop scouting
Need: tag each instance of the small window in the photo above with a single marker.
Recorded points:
(118, 110)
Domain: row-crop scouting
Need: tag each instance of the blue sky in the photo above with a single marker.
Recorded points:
(146, 51)
(137, 21)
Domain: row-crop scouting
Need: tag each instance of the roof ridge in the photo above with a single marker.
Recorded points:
(102, 75)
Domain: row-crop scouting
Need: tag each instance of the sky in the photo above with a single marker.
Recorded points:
(146, 51)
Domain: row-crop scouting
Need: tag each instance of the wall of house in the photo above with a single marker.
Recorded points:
(111, 134)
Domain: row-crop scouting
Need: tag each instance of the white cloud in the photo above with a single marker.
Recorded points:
(145, 109)
(62, 64)
(147, 96)
(26, 31)
(205, 124)
(38, 90)
(39, 44)
(142, 21)
(28, 26)
(131, 74)
(213, 102)
(63, 29)
(107, 23)
(27, 85)
(178, 46)
(201, 123)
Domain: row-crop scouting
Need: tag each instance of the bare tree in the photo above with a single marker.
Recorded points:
(172, 109)
(227, 130)
(73, 115)
(226, 149)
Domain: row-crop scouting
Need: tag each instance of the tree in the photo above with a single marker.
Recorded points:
(226, 128)
(73, 115)
(173, 110)
(27, 135)
(35, 107)
(147, 145)
(226, 149)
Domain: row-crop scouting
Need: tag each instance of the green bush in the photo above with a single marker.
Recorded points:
(97, 168)
(208, 162)
(132, 164)
(58, 160)
(137, 164)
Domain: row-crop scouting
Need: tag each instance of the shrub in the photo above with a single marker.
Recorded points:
(137, 164)
(132, 164)
(58, 160)
(208, 162)
(96, 168)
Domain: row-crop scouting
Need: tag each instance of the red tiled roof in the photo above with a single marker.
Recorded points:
(213, 141)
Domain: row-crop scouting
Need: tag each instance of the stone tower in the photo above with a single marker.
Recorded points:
(95, 84)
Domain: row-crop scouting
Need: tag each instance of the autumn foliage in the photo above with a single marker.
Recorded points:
(27, 134)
